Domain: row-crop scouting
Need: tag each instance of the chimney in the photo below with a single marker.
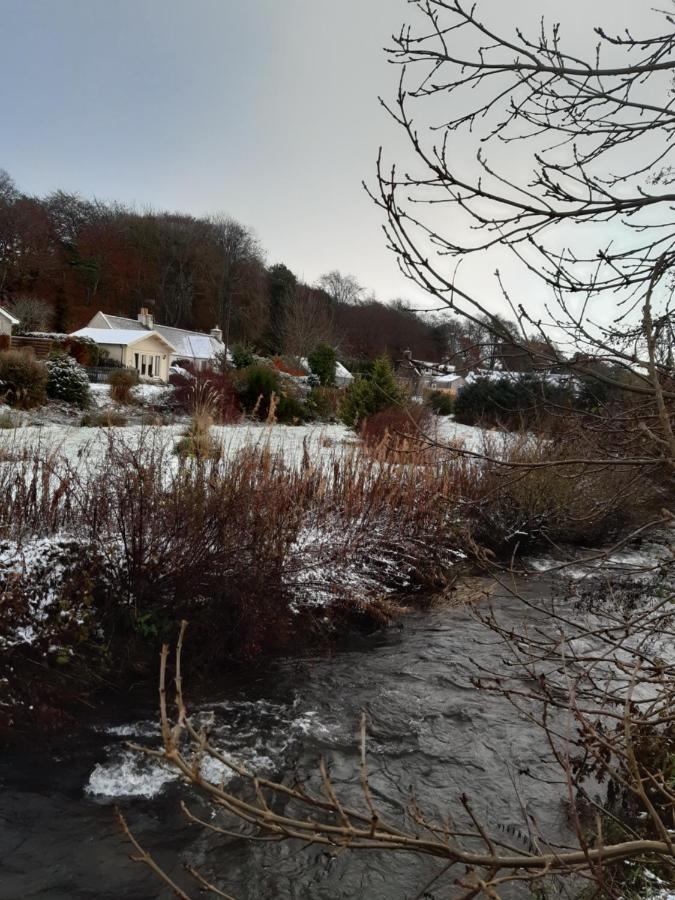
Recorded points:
(217, 334)
(146, 318)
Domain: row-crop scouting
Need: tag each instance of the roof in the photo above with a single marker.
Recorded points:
(123, 323)
(190, 344)
(123, 337)
(340, 370)
(450, 378)
(7, 315)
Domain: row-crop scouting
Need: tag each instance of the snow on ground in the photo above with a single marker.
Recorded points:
(145, 393)
(451, 433)
(88, 445)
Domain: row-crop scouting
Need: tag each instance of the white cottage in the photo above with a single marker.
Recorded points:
(194, 347)
(148, 352)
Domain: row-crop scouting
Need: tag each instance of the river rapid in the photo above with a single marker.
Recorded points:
(429, 727)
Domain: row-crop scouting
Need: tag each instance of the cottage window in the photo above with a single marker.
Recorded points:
(157, 368)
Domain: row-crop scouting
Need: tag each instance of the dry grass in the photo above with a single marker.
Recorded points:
(122, 383)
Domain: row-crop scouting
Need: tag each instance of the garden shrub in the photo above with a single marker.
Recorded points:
(108, 418)
(513, 403)
(441, 402)
(288, 365)
(322, 362)
(8, 420)
(257, 385)
(67, 380)
(242, 356)
(23, 379)
(367, 395)
(122, 382)
(84, 350)
(291, 411)
(324, 402)
(263, 394)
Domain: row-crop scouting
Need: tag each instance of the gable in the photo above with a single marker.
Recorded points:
(8, 317)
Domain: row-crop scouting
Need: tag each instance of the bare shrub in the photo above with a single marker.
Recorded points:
(223, 403)
(256, 552)
(534, 490)
(396, 427)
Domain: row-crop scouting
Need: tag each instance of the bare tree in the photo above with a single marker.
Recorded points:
(310, 320)
(8, 189)
(33, 313)
(342, 288)
(587, 218)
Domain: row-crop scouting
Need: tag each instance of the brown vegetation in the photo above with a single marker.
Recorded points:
(122, 383)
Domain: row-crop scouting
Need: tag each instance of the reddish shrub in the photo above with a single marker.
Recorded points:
(217, 386)
(288, 368)
(396, 425)
(4, 342)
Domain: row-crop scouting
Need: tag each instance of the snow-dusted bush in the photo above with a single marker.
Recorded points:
(68, 381)
(22, 379)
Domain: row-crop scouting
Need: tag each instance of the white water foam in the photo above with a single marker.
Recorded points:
(255, 734)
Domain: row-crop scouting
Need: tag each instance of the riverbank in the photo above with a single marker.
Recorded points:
(284, 540)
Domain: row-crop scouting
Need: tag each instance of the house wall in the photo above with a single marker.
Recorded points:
(151, 346)
(5, 325)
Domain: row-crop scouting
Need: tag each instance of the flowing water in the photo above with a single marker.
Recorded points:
(429, 727)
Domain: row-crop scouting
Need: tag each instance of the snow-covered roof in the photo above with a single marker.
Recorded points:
(123, 337)
(187, 344)
(7, 315)
(449, 379)
(342, 372)
(190, 344)
(123, 323)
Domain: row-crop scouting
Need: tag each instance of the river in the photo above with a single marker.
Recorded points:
(428, 727)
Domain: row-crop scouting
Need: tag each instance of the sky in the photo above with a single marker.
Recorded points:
(265, 110)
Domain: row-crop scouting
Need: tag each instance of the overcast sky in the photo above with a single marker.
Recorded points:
(266, 110)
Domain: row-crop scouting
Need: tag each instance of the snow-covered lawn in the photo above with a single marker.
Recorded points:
(317, 440)
(144, 393)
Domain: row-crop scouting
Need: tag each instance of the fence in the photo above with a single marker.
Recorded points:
(100, 374)
(41, 346)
